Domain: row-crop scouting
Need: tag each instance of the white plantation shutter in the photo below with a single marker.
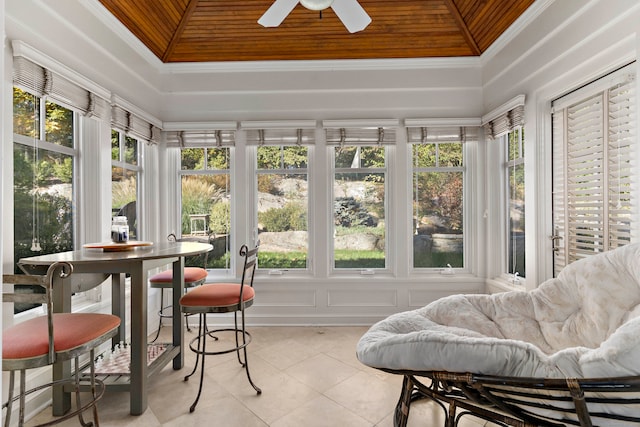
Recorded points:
(594, 145)
(623, 175)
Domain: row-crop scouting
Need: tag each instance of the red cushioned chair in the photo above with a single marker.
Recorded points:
(54, 337)
(222, 298)
(193, 276)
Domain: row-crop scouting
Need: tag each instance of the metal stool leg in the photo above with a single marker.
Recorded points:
(159, 315)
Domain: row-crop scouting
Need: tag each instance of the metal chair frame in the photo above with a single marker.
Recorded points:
(96, 386)
(242, 336)
(187, 285)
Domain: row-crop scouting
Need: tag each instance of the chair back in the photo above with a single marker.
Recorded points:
(62, 269)
(250, 257)
(205, 256)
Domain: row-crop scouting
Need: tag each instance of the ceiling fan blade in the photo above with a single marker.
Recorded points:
(279, 10)
(352, 15)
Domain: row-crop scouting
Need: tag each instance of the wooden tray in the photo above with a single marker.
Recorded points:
(117, 247)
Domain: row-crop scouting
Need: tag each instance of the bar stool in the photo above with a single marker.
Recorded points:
(222, 298)
(54, 337)
(193, 276)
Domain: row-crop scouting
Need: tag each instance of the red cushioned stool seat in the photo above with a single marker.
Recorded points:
(30, 339)
(215, 296)
(192, 275)
(52, 338)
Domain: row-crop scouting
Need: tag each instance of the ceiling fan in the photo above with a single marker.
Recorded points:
(352, 15)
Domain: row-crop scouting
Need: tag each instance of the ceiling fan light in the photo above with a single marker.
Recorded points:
(316, 4)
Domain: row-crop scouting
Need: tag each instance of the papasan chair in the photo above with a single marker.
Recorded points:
(566, 353)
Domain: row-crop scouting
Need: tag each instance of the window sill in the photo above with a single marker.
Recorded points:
(500, 284)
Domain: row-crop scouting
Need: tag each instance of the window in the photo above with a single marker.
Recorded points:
(514, 172)
(594, 174)
(205, 189)
(43, 163)
(360, 196)
(438, 184)
(125, 172)
(282, 202)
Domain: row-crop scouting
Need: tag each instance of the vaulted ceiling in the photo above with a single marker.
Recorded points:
(217, 30)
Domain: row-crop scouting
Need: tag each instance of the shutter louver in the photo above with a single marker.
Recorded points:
(585, 177)
(622, 136)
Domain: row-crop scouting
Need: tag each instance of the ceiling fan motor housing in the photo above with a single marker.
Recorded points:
(316, 4)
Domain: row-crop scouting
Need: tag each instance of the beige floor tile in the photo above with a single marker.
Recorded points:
(321, 412)
(281, 394)
(222, 411)
(321, 372)
(366, 395)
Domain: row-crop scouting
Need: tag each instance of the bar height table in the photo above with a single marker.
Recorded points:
(136, 262)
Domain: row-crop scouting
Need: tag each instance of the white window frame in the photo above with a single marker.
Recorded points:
(512, 278)
(81, 297)
(387, 185)
(466, 199)
(137, 168)
(306, 172)
(206, 172)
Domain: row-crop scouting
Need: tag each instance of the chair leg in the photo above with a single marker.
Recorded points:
(93, 388)
(237, 332)
(203, 334)
(244, 350)
(77, 391)
(159, 316)
(195, 366)
(9, 403)
(23, 381)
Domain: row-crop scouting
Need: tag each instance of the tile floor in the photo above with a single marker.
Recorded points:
(309, 377)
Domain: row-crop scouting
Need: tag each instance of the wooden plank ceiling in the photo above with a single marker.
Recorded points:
(216, 30)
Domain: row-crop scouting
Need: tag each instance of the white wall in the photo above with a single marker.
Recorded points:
(571, 43)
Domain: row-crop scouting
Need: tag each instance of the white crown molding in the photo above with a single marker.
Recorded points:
(279, 124)
(372, 123)
(320, 65)
(515, 28)
(447, 122)
(173, 126)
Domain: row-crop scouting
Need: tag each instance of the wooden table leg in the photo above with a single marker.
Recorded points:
(138, 386)
(178, 319)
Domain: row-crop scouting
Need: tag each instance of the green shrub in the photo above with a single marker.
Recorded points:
(291, 217)
(219, 220)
